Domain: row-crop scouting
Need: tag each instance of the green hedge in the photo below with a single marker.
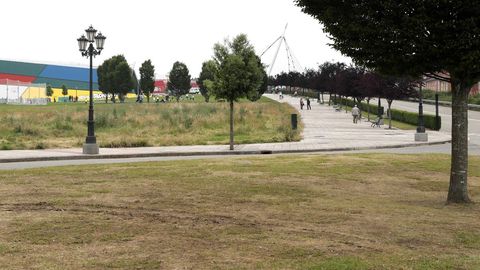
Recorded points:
(412, 118)
(363, 106)
(398, 115)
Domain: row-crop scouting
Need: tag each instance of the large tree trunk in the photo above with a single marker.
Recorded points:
(458, 192)
(231, 125)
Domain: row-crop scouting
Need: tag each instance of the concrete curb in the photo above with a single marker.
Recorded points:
(214, 153)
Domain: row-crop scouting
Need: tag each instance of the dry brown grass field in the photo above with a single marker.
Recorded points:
(368, 211)
(135, 125)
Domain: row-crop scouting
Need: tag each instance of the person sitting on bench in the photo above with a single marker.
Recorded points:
(378, 122)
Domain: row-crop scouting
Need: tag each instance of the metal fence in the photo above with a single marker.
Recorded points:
(16, 92)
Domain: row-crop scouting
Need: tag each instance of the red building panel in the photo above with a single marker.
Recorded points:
(160, 86)
(475, 89)
(27, 79)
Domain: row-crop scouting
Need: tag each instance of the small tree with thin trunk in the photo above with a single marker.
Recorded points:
(240, 73)
(64, 90)
(49, 91)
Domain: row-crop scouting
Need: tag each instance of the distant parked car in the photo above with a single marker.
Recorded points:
(194, 91)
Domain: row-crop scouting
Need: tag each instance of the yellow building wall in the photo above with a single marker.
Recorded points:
(82, 94)
(34, 92)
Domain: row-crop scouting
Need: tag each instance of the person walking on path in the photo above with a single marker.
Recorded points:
(301, 104)
(308, 104)
(355, 114)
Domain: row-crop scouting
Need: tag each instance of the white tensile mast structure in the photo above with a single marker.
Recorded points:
(292, 60)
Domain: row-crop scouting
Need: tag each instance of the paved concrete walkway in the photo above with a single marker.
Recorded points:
(324, 130)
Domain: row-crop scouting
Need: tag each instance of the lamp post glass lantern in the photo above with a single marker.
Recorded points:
(87, 49)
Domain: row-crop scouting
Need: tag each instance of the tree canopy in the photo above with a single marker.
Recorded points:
(240, 73)
(115, 76)
(413, 37)
(432, 38)
(49, 91)
(179, 81)
(206, 78)
(147, 78)
(64, 90)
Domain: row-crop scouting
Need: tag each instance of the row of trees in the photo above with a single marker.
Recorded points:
(350, 81)
(49, 90)
(117, 78)
(233, 73)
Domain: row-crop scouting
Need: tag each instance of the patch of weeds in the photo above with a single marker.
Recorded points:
(243, 113)
(5, 249)
(186, 109)
(135, 263)
(259, 112)
(103, 120)
(468, 239)
(125, 143)
(287, 133)
(5, 146)
(188, 122)
(20, 129)
(63, 125)
(176, 110)
(340, 263)
(40, 145)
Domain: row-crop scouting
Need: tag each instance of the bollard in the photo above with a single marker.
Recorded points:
(294, 121)
(437, 117)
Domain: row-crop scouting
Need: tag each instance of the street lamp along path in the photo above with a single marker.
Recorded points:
(90, 146)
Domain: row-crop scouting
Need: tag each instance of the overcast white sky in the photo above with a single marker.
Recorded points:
(164, 31)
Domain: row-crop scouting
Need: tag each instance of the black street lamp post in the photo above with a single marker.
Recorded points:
(421, 123)
(90, 146)
(421, 135)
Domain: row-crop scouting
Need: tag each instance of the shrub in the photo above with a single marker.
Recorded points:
(412, 118)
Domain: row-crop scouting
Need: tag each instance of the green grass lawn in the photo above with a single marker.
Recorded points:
(63, 125)
(368, 211)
